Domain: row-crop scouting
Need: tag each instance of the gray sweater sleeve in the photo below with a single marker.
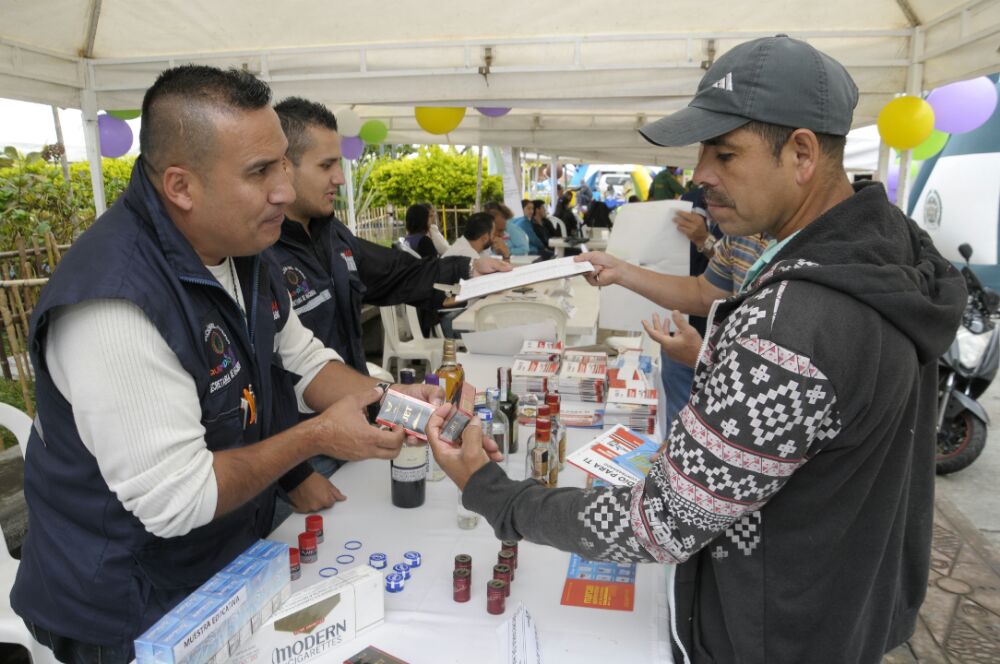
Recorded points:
(756, 414)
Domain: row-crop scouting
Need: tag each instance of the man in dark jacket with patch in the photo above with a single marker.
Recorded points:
(329, 273)
(795, 490)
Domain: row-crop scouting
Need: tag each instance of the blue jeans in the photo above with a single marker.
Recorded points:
(677, 380)
(325, 466)
(71, 651)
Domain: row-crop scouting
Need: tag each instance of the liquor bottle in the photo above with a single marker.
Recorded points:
(539, 447)
(434, 472)
(451, 373)
(508, 406)
(409, 475)
(407, 376)
(558, 428)
(501, 427)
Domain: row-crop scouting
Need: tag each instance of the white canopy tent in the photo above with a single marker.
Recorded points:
(580, 82)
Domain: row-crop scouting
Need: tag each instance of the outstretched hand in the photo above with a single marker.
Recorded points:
(460, 462)
(681, 346)
(345, 433)
(607, 269)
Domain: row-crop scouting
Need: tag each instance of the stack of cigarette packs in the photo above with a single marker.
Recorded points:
(210, 624)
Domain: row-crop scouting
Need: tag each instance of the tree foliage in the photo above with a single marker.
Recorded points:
(35, 198)
(442, 177)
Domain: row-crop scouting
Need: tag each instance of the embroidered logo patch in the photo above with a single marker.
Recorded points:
(348, 257)
(224, 366)
(275, 311)
(299, 289)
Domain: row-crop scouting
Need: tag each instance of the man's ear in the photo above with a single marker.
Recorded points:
(805, 152)
(180, 187)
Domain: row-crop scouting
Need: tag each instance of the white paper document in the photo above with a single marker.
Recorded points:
(644, 234)
(519, 639)
(521, 276)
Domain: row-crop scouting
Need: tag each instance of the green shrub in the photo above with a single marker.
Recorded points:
(442, 177)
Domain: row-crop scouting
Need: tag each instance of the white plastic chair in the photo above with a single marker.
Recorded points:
(497, 315)
(394, 345)
(12, 629)
(18, 423)
(559, 223)
(378, 373)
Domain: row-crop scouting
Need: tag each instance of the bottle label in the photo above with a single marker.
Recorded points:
(411, 464)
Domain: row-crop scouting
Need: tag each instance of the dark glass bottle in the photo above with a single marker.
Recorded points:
(508, 406)
(409, 476)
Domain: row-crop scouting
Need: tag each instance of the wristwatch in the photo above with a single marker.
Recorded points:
(708, 244)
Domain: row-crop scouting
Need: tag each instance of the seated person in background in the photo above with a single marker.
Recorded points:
(438, 238)
(564, 211)
(528, 225)
(544, 225)
(515, 239)
(418, 230)
(500, 214)
(598, 215)
(476, 239)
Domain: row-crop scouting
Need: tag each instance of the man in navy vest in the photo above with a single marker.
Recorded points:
(330, 273)
(157, 441)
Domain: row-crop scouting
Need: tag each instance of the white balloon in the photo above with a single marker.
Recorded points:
(348, 122)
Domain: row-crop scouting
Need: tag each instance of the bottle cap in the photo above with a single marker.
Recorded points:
(293, 556)
(485, 414)
(394, 583)
(402, 569)
(377, 561)
(412, 558)
(544, 410)
(314, 522)
(432, 379)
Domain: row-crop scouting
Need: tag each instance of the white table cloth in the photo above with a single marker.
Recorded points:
(424, 624)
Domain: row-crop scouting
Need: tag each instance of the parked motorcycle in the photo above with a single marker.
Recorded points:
(964, 373)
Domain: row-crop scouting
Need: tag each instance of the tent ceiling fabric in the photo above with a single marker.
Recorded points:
(580, 84)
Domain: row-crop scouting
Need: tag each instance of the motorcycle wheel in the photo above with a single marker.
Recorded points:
(960, 442)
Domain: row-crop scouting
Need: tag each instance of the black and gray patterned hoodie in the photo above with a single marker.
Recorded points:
(796, 493)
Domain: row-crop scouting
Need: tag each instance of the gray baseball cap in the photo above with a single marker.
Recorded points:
(777, 80)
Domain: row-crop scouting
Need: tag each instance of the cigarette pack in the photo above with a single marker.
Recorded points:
(465, 405)
(212, 622)
(318, 619)
(402, 410)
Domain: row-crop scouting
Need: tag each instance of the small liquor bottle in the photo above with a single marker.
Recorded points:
(508, 406)
(451, 373)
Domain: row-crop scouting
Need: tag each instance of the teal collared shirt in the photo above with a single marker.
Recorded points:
(764, 260)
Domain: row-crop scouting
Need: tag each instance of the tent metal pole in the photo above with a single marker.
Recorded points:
(553, 180)
(352, 221)
(914, 87)
(479, 180)
(91, 136)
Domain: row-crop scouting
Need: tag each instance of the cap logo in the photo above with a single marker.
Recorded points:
(725, 83)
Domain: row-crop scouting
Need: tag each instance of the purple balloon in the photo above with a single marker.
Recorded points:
(963, 106)
(116, 135)
(351, 147)
(493, 111)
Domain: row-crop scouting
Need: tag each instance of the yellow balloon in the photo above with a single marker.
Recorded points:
(905, 122)
(439, 120)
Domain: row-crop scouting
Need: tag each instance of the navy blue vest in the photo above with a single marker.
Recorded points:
(89, 569)
(321, 276)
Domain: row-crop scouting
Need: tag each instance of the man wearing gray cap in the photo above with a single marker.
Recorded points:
(795, 490)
